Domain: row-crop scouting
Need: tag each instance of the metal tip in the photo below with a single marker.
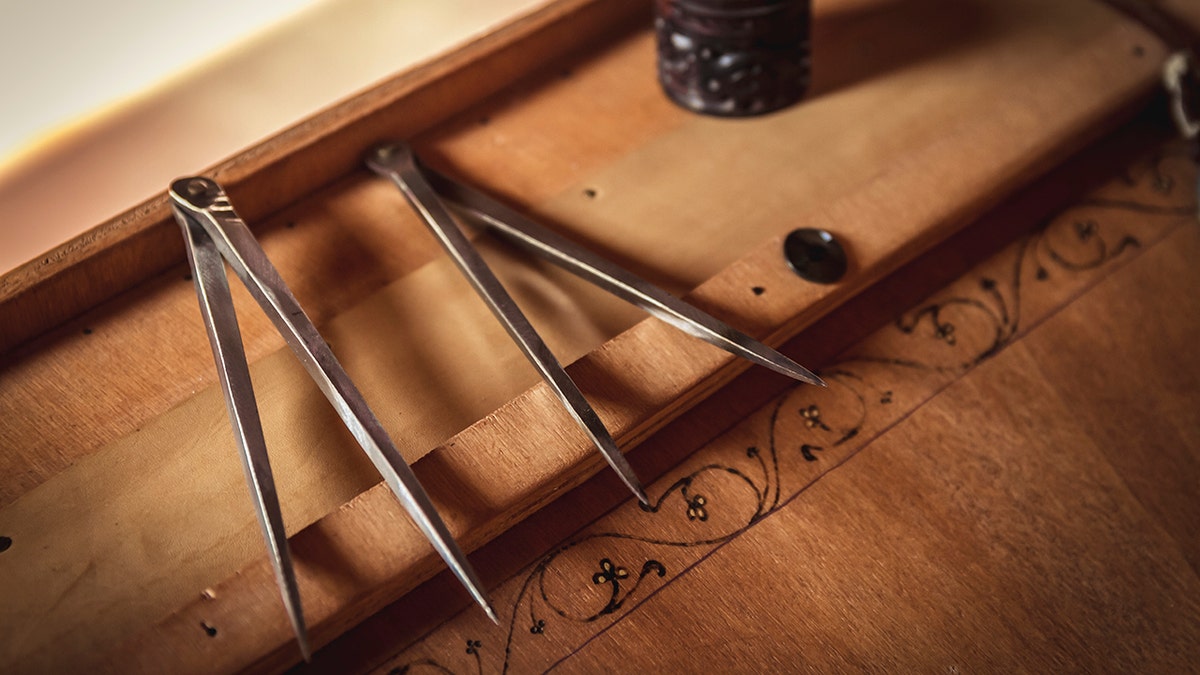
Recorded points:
(491, 613)
(795, 370)
(641, 496)
(305, 648)
(631, 481)
(607, 446)
(617, 461)
(466, 575)
(753, 350)
(291, 602)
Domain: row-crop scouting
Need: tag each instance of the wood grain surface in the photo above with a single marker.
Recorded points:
(116, 470)
(1002, 478)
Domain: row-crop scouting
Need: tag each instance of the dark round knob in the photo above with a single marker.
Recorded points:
(815, 255)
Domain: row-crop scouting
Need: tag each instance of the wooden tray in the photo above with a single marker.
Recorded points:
(999, 477)
(132, 542)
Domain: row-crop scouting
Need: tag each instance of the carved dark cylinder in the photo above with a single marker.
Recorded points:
(733, 58)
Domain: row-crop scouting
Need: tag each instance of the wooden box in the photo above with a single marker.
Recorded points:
(131, 541)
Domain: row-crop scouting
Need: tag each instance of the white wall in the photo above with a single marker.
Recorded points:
(62, 59)
(103, 105)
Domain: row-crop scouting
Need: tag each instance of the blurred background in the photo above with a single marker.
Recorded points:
(105, 103)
